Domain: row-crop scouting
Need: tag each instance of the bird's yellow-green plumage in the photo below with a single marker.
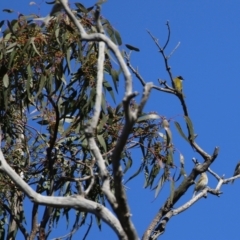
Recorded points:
(178, 83)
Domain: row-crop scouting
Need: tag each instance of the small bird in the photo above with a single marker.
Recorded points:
(178, 85)
(236, 171)
(201, 183)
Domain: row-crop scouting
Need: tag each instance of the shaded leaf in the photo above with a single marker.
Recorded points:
(1, 23)
(170, 156)
(182, 173)
(190, 127)
(107, 86)
(169, 136)
(130, 47)
(160, 184)
(115, 78)
(141, 144)
(8, 10)
(128, 165)
(181, 131)
(81, 8)
(118, 37)
(146, 175)
(10, 27)
(90, 8)
(136, 173)
(10, 46)
(53, 2)
(154, 172)
(43, 122)
(102, 142)
(34, 47)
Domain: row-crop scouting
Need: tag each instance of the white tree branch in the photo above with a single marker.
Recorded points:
(75, 201)
(101, 37)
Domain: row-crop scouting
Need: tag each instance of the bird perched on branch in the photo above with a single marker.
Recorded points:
(201, 183)
(178, 85)
(236, 171)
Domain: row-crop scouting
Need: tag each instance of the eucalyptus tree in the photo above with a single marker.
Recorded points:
(67, 139)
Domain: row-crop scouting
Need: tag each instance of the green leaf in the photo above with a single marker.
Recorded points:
(56, 215)
(172, 189)
(6, 80)
(26, 17)
(136, 173)
(102, 142)
(68, 55)
(165, 123)
(146, 117)
(41, 85)
(100, 2)
(181, 131)
(43, 122)
(90, 8)
(190, 127)
(169, 136)
(10, 27)
(102, 123)
(118, 108)
(182, 173)
(13, 53)
(160, 184)
(118, 37)
(110, 31)
(128, 165)
(146, 175)
(10, 46)
(115, 78)
(103, 103)
(29, 83)
(130, 47)
(34, 47)
(107, 86)
(98, 220)
(170, 156)
(154, 172)
(57, 31)
(182, 160)
(81, 8)
(66, 213)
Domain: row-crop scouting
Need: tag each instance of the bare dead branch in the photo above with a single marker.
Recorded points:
(169, 34)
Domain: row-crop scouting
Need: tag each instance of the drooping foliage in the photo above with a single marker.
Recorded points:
(47, 94)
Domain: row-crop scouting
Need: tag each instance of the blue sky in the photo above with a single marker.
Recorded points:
(208, 59)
